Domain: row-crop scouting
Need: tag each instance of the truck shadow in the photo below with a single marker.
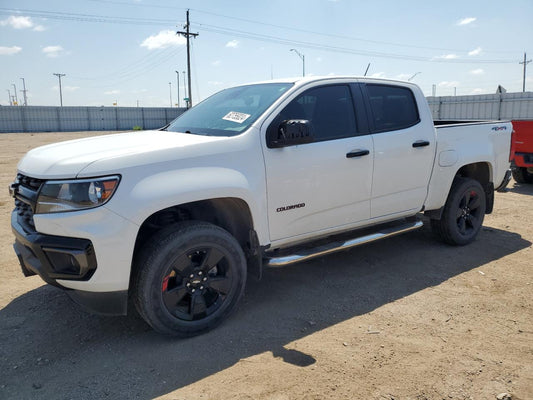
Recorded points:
(521, 188)
(64, 353)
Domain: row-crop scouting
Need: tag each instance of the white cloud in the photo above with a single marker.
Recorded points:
(319, 59)
(478, 71)
(449, 84)
(403, 77)
(216, 63)
(17, 22)
(448, 57)
(233, 44)
(112, 92)
(378, 75)
(479, 91)
(163, 40)
(53, 51)
(39, 28)
(475, 52)
(466, 21)
(9, 51)
(215, 83)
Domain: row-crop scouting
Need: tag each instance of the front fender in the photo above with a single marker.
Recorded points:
(138, 200)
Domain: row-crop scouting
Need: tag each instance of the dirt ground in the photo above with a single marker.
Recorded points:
(404, 318)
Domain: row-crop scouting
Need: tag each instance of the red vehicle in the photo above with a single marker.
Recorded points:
(522, 163)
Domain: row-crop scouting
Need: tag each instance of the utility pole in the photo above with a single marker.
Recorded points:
(303, 60)
(24, 92)
(60, 91)
(170, 92)
(178, 82)
(524, 78)
(9, 95)
(188, 35)
(16, 98)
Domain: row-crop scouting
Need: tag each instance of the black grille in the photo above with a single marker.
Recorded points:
(30, 183)
(25, 205)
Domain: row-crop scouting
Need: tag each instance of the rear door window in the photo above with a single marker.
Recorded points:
(392, 107)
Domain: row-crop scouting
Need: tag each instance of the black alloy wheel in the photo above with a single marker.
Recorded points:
(198, 283)
(188, 278)
(463, 213)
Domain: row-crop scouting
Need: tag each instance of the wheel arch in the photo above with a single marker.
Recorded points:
(481, 172)
(230, 213)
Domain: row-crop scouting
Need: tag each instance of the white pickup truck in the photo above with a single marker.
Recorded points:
(262, 174)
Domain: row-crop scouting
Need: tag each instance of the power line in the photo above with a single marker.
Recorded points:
(292, 28)
(337, 49)
(145, 21)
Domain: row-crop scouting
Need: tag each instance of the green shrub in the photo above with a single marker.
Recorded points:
(137, 128)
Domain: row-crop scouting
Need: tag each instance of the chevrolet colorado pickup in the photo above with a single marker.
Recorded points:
(263, 174)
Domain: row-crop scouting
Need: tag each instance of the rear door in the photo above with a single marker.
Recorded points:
(404, 147)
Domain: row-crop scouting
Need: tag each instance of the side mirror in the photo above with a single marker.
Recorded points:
(292, 132)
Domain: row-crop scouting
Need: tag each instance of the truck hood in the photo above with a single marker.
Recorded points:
(65, 160)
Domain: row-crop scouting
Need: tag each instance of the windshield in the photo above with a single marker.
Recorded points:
(229, 112)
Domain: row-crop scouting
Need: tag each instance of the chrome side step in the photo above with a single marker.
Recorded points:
(308, 254)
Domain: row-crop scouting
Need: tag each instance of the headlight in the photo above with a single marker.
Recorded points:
(77, 194)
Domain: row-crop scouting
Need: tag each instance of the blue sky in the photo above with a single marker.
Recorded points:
(126, 51)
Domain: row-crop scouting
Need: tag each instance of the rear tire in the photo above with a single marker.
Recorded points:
(520, 175)
(463, 213)
(188, 278)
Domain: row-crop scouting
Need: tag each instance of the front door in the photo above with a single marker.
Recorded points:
(324, 184)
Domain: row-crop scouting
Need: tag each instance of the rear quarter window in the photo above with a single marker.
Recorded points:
(392, 107)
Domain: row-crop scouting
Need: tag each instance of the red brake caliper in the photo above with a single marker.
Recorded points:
(165, 283)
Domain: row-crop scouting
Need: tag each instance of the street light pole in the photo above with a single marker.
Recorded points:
(60, 90)
(24, 92)
(170, 92)
(9, 95)
(185, 91)
(16, 97)
(413, 76)
(178, 82)
(303, 60)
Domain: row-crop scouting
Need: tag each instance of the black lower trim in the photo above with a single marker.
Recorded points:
(103, 303)
(505, 181)
(52, 257)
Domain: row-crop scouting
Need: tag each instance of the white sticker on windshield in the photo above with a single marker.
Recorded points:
(236, 117)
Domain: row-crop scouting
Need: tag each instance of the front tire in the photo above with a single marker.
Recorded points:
(189, 278)
(463, 213)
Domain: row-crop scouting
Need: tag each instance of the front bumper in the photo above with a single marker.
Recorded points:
(52, 257)
(66, 259)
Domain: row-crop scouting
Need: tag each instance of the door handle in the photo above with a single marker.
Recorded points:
(357, 153)
(420, 143)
